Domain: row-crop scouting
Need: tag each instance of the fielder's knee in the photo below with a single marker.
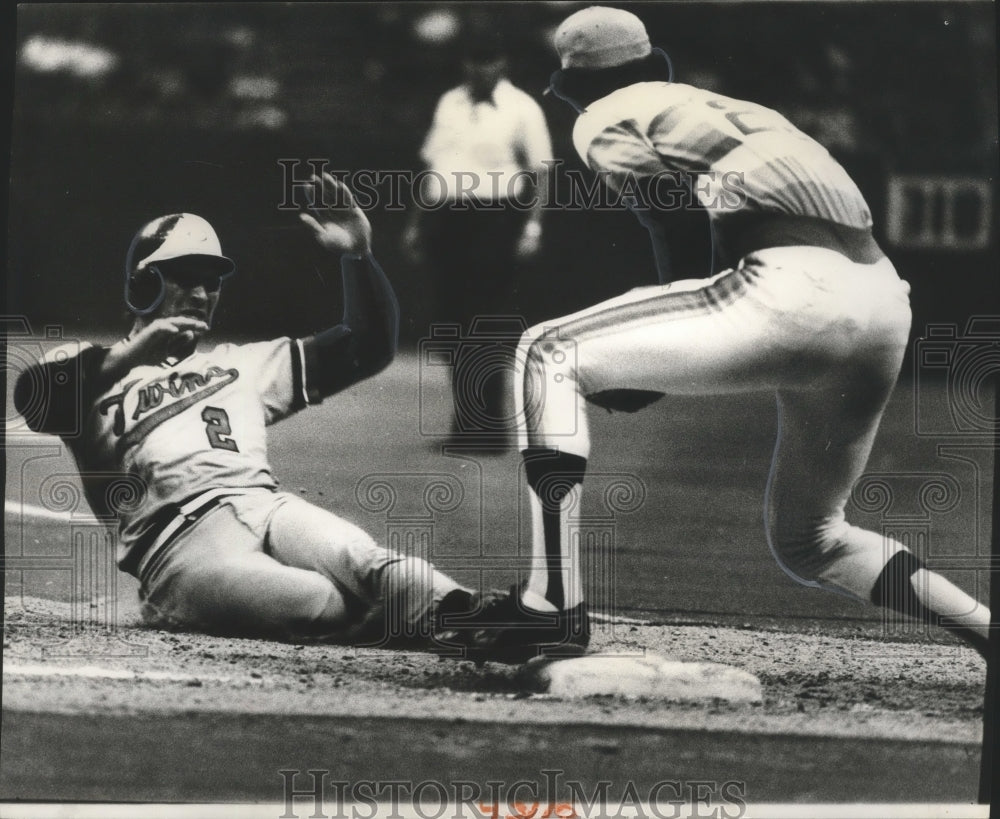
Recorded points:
(548, 356)
(540, 353)
(802, 553)
(832, 555)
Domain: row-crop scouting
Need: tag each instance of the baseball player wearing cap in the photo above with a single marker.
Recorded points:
(216, 547)
(810, 309)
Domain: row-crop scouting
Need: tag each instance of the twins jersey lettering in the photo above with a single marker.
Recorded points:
(184, 427)
(652, 127)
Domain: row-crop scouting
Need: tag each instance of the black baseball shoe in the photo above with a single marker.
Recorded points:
(498, 627)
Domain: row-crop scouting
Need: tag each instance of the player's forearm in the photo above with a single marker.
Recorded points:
(118, 360)
(365, 340)
(370, 306)
(678, 227)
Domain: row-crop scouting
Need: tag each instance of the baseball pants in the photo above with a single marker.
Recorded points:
(825, 334)
(270, 564)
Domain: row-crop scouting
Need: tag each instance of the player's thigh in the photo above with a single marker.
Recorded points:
(305, 536)
(216, 577)
(250, 594)
(701, 337)
(258, 595)
(825, 436)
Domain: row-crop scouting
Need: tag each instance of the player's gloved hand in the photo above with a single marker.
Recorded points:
(337, 222)
(158, 340)
(624, 400)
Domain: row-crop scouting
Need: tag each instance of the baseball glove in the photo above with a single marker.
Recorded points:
(624, 400)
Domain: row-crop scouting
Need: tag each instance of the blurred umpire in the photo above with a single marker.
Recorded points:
(477, 214)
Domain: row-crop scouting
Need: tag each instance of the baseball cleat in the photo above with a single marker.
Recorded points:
(500, 628)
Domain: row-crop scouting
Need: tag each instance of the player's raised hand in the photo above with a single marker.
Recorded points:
(335, 218)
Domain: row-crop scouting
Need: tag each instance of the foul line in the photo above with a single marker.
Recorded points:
(618, 620)
(28, 510)
(95, 672)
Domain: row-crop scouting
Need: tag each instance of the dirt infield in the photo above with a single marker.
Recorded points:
(832, 704)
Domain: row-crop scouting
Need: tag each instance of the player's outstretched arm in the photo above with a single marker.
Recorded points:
(365, 340)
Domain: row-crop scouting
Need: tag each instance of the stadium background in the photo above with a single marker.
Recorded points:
(126, 112)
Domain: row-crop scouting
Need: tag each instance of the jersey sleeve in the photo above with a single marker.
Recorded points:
(631, 165)
(53, 393)
(276, 370)
(620, 153)
(365, 340)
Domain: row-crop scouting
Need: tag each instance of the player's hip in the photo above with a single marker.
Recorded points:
(173, 523)
(823, 291)
(808, 300)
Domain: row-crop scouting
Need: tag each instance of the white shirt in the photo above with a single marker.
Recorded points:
(482, 150)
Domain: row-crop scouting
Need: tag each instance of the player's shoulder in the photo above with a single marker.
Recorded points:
(636, 104)
(245, 350)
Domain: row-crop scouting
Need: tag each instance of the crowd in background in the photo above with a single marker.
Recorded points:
(124, 111)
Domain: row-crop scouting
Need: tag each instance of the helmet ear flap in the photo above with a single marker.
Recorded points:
(144, 286)
(556, 88)
(666, 58)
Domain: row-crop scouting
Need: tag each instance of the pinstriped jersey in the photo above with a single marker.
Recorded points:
(742, 155)
(183, 427)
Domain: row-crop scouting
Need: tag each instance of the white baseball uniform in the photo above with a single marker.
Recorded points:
(213, 542)
(812, 310)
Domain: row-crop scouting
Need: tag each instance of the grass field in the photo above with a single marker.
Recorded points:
(689, 563)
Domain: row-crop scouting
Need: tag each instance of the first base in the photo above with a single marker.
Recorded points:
(649, 676)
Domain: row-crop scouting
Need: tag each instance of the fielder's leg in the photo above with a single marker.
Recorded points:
(790, 319)
(621, 352)
(825, 434)
(825, 437)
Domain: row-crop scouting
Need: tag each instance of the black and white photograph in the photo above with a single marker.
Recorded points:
(520, 410)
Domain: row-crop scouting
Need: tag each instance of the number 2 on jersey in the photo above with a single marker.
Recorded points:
(217, 428)
(750, 119)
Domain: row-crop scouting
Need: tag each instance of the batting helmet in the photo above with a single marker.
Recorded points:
(178, 235)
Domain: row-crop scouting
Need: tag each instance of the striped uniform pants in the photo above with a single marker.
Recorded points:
(825, 334)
